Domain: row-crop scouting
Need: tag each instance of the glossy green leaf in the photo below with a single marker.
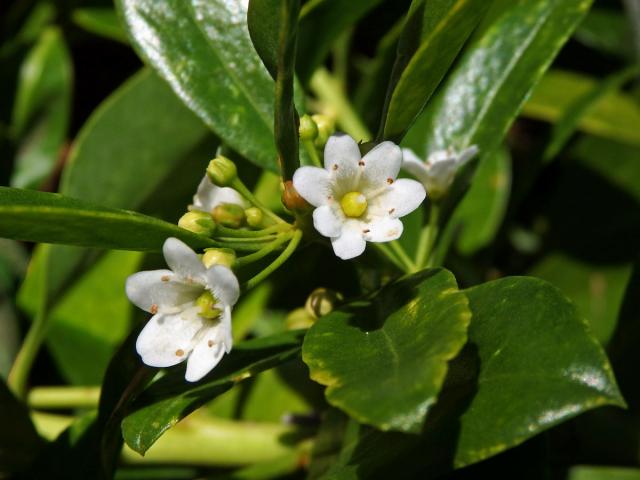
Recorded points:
(41, 109)
(603, 473)
(263, 20)
(482, 209)
(171, 398)
(597, 290)
(441, 28)
(614, 116)
(507, 55)
(54, 218)
(102, 21)
(321, 22)
(383, 360)
(203, 50)
(568, 123)
(530, 364)
(90, 320)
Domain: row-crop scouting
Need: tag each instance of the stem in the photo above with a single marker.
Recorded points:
(21, 367)
(286, 253)
(263, 252)
(428, 237)
(238, 233)
(386, 252)
(396, 246)
(246, 193)
(240, 246)
(246, 240)
(328, 90)
(313, 153)
(63, 397)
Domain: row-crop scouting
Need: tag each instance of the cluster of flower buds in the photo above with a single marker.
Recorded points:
(317, 129)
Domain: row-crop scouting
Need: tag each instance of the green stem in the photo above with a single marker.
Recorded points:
(239, 233)
(428, 237)
(286, 253)
(240, 246)
(263, 252)
(246, 193)
(313, 153)
(385, 251)
(409, 266)
(245, 240)
(328, 91)
(63, 397)
(19, 373)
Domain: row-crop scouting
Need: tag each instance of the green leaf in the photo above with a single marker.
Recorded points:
(482, 209)
(263, 21)
(102, 21)
(608, 31)
(383, 360)
(614, 116)
(603, 473)
(171, 398)
(597, 290)
(81, 337)
(568, 123)
(42, 109)
(203, 50)
(434, 33)
(507, 55)
(53, 218)
(321, 22)
(530, 364)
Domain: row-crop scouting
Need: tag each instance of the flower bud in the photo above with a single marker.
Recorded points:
(326, 127)
(228, 215)
(254, 217)
(222, 171)
(308, 129)
(299, 318)
(322, 301)
(218, 256)
(197, 222)
(292, 199)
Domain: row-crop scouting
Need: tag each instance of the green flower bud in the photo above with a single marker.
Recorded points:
(228, 215)
(197, 222)
(254, 217)
(326, 127)
(222, 171)
(322, 301)
(308, 129)
(218, 256)
(299, 318)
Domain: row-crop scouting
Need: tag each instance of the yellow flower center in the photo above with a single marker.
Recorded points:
(206, 302)
(354, 204)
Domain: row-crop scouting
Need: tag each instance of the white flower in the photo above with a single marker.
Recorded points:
(209, 196)
(358, 199)
(191, 307)
(438, 172)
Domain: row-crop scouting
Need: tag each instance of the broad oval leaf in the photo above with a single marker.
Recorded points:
(171, 398)
(53, 218)
(506, 57)
(203, 49)
(443, 27)
(383, 360)
(531, 363)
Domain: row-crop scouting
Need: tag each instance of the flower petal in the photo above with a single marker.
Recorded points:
(160, 291)
(167, 340)
(343, 151)
(183, 261)
(327, 222)
(350, 243)
(383, 229)
(204, 357)
(382, 164)
(223, 284)
(414, 165)
(209, 196)
(467, 154)
(312, 183)
(401, 198)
